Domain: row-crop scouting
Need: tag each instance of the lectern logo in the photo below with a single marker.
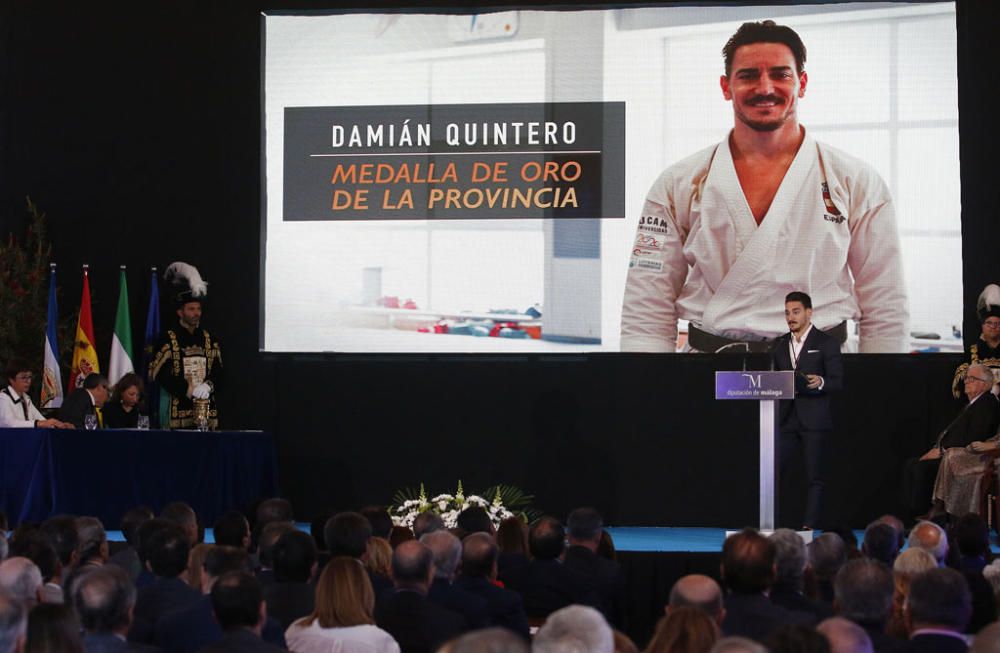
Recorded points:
(754, 380)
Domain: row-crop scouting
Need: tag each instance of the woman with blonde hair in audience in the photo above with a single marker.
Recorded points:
(909, 563)
(380, 556)
(196, 563)
(684, 630)
(343, 620)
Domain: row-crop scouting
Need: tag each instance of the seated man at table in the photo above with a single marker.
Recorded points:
(16, 409)
(86, 400)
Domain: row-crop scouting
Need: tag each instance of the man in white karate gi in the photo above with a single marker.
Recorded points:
(726, 233)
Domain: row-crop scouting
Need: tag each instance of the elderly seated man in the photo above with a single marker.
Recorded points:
(944, 471)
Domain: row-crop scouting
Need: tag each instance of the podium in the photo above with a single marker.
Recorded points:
(766, 388)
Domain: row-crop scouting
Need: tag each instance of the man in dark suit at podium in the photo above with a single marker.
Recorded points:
(805, 421)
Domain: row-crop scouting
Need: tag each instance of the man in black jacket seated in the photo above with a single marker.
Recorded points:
(937, 610)
(347, 534)
(790, 566)
(417, 624)
(862, 592)
(84, 401)
(585, 526)
(167, 552)
(238, 606)
(292, 595)
(447, 551)
(479, 567)
(104, 599)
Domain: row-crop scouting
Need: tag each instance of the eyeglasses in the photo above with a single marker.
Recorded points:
(995, 324)
(969, 378)
(24, 377)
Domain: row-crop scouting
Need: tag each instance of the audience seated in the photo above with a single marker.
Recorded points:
(417, 624)
(238, 606)
(378, 517)
(475, 519)
(584, 527)
(104, 600)
(143, 535)
(182, 514)
(931, 538)
(479, 568)
(343, 619)
(291, 596)
(489, 640)
(512, 543)
(196, 563)
(827, 554)
(273, 510)
(60, 531)
(53, 628)
(21, 580)
(845, 636)
(937, 611)
(379, 559)
(33, 546)
(881, 543)
(13, 625)
(447, 552)
(232, 529)
(427, 522)
(574, 628)
(909, 563)
(398, 535)
(347, 534)
(684, 629)
(863, 591)
(698, 591)
(168, 550)
(269, 536)
(788, 589)
(128, 557)
(747, 572)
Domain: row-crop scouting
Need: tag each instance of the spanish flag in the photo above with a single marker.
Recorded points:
(84, 354)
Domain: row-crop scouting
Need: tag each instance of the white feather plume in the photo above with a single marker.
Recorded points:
(990, 297)
(180, 271)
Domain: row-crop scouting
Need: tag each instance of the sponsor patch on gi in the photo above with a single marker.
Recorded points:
(833, 218)
(645, 241)
(654, 225)
(646, 264)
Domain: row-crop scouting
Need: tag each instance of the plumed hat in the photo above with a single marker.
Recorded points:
(186, 284)
(989, 302)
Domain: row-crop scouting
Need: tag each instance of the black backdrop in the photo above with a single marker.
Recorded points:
(137, 130)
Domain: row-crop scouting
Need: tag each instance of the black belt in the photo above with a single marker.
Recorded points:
(709, 342)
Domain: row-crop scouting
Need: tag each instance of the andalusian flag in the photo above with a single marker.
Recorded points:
(121, 342)
(52, 393)
(84, 354)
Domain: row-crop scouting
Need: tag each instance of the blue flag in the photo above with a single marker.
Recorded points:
(149, 342)
(52, 392)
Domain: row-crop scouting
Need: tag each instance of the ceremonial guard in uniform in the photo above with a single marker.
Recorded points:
(188, 359)
(986, 350)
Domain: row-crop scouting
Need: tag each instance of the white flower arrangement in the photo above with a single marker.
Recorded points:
(448, 507)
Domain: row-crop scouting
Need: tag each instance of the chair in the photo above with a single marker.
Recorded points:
(989, 490)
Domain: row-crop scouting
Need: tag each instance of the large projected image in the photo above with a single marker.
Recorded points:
(496, 182)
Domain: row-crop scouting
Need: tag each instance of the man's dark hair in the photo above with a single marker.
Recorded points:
(940, 597)
(60, 531)
(546, 539)
(972, 535)
(14, 367)
(347, 534)
(797, 296)
(222, 559)
(765, 32)
(131, 522)
(747, 562)
(168, 550)
(179, 513)
(294, 555)
(230, 529)
(479, 552)
(269, 536)
(93, 380)
(378, 517)
(144, 533)
(427, 522)
(35, 547)
(271, 510)
(584, 524)
(798, 638)
(103, 597)
(827, 554)
(475, 519)
(863, 590)
(236, 600)
(881, 542)
(411, 563)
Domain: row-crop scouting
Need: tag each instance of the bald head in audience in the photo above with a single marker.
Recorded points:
(698, 591)
(447, 550)
(845, 636)
(21, 580)
(413, 566)
(479, 556)
(104, 599)
(931, 538)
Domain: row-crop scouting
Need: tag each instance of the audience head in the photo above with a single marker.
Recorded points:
(274, 510)
(791, 638)
(53, 628)
(168, 550)
(36, 548)
(13, 624)
(789, 556)
(487, 640)
(196, 565)
(294, 556)
(379, 557)
(344, 595)
(92, 544)
(479, 556)
(862, 591)
(827, 554)
(399, 534)
(546, 539)
(845, 636)
(427, 522)
(606, 546)
(131, 522)
(931, 538)
(897, 525)
(881, 542)
(104, 598)
(144, 533)
(412, 565)
(737, 645)
(347, 534)
(182, 514)
(747, 562)
(938, 598)
(60, 531)
(584, 526)
(447, 550)
(269, 536)
(238, 601)
(972, 535)
(512, 536)
(21, 580)
(220, 560)
(378, 517)
(698, 591)
(574, 628)
(232, 529)
(475, 519)
(684, 629)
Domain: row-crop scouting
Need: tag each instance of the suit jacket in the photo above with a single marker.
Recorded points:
(506, 609)
(241, 640)
(882, 642)
(78, 404)
(936, 644)
(287, 602)
(754, 616)
(156, 600)
(788, 597)
(547, 585)
(416, 623)
(194, 627)
(606, 578)
(456, 599)
(820, 355)
(108, 643)
(976, 421)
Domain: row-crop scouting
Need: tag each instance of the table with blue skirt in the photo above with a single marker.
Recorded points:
(104, 473)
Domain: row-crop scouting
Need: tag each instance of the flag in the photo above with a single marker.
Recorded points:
(84, 354)
(149, 342)
(52, 393)
(121, 341)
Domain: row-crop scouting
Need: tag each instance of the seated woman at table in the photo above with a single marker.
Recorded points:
(16, 409)
(957, 486)
(122, 410)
